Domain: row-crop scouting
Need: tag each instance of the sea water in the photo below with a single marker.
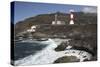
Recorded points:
(43, 53)
(24, 49)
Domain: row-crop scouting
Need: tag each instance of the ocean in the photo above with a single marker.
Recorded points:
(24, 49)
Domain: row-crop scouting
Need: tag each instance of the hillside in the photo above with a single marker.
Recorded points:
(80, 18)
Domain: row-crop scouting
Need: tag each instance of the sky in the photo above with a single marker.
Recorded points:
(23, 10)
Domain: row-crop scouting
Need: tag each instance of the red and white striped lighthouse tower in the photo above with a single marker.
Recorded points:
(71, 17)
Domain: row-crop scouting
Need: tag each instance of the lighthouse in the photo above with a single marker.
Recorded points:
(71, 17)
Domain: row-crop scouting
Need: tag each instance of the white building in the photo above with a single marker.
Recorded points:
(58, 23)
(33, 29)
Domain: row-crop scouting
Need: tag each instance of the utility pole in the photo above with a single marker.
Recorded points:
(55, 18)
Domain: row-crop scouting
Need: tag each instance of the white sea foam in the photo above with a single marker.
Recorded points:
(48, 55)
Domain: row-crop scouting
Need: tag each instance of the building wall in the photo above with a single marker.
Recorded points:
(58, 23)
